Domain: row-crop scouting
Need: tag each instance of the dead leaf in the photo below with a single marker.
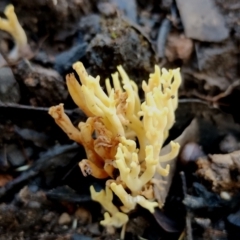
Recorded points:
(4, 179)
(190, 134)
(178, 47)
(219, 169)
(165, 222)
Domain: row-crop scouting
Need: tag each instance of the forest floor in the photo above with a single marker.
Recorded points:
(43, 194)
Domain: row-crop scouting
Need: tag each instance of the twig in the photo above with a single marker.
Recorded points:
(40, 165)
(216, 98)
(162, 37)
(123, 231)
(184, 184)
(32, 55)
(28, 107)
(188, 217)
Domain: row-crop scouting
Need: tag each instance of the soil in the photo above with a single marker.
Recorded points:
(43, 194)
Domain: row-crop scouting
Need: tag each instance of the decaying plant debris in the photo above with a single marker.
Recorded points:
(43, 193)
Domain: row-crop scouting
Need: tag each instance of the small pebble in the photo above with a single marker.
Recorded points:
(83, 216)
(225, 196)
(94, 229)
(74, 223)
(33, 188)
(77, 236)
(234, 219)
(9, 87)
(107, 9)
(34, 205)
(24, 195)
(110, 230)
(48, 217)
(15, 155)
(229, 144)
(203, 222)
(191, 152)
(64, 219)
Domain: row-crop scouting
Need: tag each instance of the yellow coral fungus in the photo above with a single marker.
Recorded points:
(118, 119)
(105, 197)
(13, 27)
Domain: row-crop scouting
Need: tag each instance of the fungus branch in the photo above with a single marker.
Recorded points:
(13, 27)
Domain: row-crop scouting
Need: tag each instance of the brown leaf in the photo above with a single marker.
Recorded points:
(4, 179)
(178, 47)
(219, 169)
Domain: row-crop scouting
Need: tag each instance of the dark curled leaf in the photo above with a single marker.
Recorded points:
(38, 138)
(65, 193)
(168, 224)
(65, 60)
(234, 218)
(212, 198)
(55, 158)
(189, 134)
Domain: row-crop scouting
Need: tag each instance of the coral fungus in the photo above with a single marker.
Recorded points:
(120, 121)
(13, 27)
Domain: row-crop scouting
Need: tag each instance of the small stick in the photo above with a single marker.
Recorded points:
(216, 98)
(162, 37)
(28, 107)
(123, 231)
(188, 217)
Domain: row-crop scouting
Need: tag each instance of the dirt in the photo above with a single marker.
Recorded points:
(43, 194)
